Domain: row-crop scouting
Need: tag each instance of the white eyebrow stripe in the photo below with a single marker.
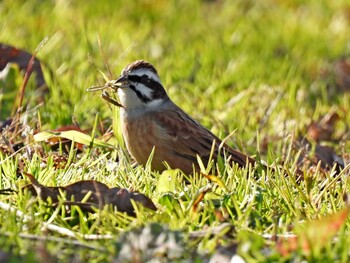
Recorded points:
(144, 90)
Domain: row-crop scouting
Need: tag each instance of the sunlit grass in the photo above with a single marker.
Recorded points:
(253, 67)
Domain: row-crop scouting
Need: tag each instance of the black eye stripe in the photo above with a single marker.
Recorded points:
(139, 94)
(134, 78)
(157, 89)
(148, 82)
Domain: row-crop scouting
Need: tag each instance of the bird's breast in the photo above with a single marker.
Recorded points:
(140, 135)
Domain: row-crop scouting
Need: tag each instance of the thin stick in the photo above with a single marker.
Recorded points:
(27, 74)
(108, 98)
(52, 227)
(57, 240)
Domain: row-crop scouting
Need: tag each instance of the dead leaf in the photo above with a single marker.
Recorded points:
(199, 198)
(313, 235)
(288, 244)
(323, 129)
(13, 62)
(341, 71)
(221, 214)
(336, 74)
(89, 194)
(311, 155)
(55, 141)
(59, 160)
(74, 135)
(10, 54)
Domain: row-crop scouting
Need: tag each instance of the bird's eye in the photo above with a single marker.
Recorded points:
(144, 78)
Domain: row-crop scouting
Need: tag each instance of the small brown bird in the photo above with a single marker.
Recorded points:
(150, 119)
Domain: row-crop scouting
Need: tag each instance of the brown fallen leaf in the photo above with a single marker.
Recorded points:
(55, 142)
(313, 235)
(341, 71)
(89, 194)
(21, 58)
(16, 96)
(59, 160)
(310, 156)
(323, 129)
(200, 198)
(336, 74)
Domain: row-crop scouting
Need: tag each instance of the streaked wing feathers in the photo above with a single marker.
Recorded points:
(188, 138)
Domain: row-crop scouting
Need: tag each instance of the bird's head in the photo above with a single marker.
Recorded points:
(139, 86)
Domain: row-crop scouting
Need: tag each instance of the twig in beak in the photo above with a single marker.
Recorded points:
(108, 84)
(108, 98)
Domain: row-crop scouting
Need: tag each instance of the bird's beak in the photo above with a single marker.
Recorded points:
(122, 82)
(109, 84)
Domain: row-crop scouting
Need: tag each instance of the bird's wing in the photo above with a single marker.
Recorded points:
(187, 138)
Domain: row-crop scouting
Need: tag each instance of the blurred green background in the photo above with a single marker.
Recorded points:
(263, 69)
(225, 62)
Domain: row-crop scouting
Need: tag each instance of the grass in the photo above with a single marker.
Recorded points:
(253, 67)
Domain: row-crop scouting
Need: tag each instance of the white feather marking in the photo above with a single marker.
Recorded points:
(145, 71)
(154, 103)
(128, 98)
(145, 91)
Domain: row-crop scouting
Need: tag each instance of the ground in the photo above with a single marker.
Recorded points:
(262, 74)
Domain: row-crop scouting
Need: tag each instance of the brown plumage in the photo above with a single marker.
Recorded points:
(149, 119)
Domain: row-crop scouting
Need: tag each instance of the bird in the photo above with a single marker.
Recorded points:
(151, 121)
